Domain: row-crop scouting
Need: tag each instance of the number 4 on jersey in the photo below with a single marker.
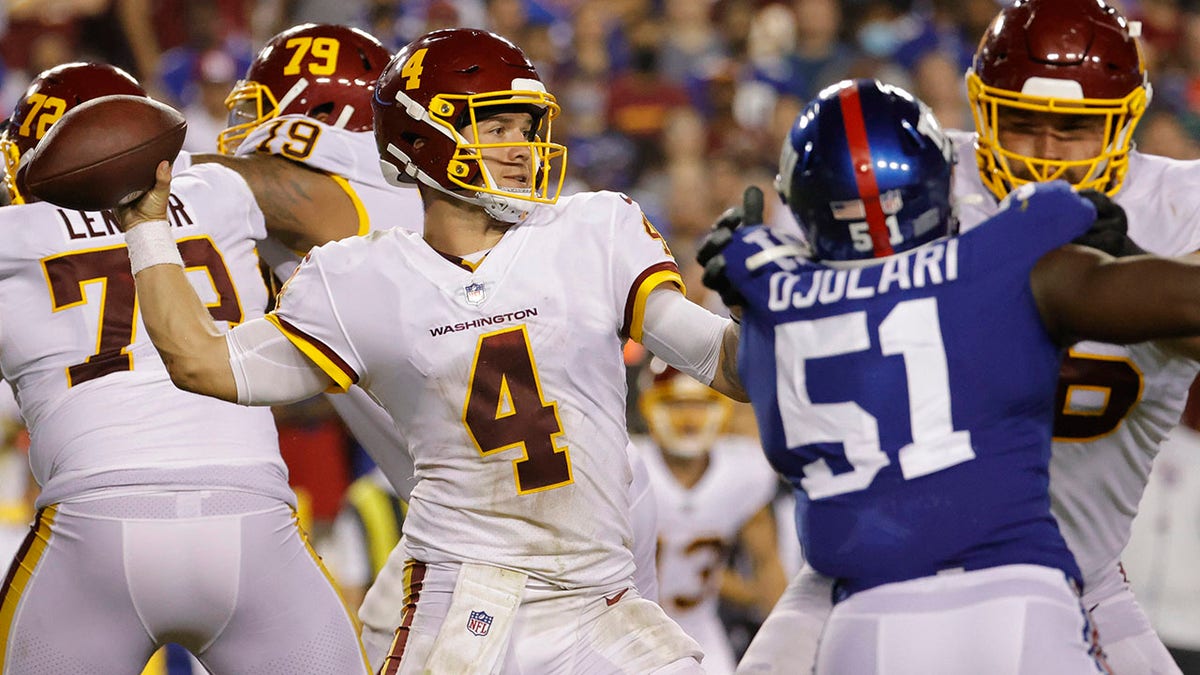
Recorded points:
(505, 409)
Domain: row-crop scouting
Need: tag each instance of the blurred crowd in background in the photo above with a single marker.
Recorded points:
(679, 103)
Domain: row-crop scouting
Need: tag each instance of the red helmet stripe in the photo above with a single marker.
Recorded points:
(864, 170)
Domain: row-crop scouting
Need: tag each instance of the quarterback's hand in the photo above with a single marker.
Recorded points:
(150, 206)
(1110, 231)
(710, 257)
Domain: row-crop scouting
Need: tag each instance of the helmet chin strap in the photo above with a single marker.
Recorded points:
(501, 207)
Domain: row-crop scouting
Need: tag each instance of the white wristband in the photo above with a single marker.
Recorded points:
(150, 243)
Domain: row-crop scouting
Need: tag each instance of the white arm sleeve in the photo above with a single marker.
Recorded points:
(268, 368)
(683, 334)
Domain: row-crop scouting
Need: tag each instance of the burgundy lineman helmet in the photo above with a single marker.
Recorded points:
(1070, 57)
(685, 417)
(429, 102)
(320, 70)
(49, 96)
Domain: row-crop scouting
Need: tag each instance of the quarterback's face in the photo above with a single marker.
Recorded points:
(1051, 136)
(511, 166)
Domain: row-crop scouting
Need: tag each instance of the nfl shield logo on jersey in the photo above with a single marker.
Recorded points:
(479, 623)
(475, 294)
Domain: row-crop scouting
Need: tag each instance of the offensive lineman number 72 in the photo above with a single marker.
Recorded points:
(68, 273)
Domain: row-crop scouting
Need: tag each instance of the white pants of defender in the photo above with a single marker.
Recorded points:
(787, 640)
(1008, 620)
(552, 631)
(228, 575)
(1131, 646)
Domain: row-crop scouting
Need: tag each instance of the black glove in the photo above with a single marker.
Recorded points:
(1110, 231)
(709, 256)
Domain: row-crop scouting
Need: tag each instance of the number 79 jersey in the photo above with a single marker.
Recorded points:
(910, 400)
(91, 386)
(349, 157)
(505, 378)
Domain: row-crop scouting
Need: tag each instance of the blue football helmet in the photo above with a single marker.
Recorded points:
(866, 171)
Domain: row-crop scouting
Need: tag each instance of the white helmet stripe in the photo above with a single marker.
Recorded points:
(344, 118)
(418, 112)
(292, 94)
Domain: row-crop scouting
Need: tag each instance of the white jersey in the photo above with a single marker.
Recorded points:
(351, 159)
(698, 528)
(505, 377)
(1116, 403)
(101, 410)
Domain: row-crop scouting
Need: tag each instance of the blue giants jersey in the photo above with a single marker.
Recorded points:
(910, 400)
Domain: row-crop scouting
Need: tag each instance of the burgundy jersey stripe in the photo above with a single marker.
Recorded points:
(631, 299)
(324, 349)
(864, 171)
(391, 664)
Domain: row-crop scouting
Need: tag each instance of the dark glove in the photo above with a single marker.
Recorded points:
(709, 256)
(1110, 231)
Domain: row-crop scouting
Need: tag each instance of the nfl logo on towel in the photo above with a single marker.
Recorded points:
(474, 293)
(479, 623)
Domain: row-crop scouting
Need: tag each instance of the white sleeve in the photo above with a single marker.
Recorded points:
(268, 368)
(682, 333)
(643, 513)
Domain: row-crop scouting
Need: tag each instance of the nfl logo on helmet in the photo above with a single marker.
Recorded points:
(479, 623)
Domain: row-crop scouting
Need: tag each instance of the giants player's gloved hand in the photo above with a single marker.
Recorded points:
(1109, 232)
(709, 256)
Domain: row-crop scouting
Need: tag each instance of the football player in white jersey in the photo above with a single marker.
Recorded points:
(714, 492)
(302, 117)
(300, 134)
(494, 342)
(1040, 115)
(164, 516)
(1116, 404)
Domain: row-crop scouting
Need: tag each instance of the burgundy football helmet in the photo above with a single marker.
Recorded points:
(323, 71)
(49, 96)
(1069, 57)
(684, 416)
(429, 102)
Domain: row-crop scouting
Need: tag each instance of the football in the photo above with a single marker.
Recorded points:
(103, 153)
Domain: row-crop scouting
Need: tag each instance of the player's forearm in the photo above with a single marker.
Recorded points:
(178, 323)
(760, 539)
(302, 207)
(737, 589)
(1085, 295)
(182, 330)
(727, 380)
